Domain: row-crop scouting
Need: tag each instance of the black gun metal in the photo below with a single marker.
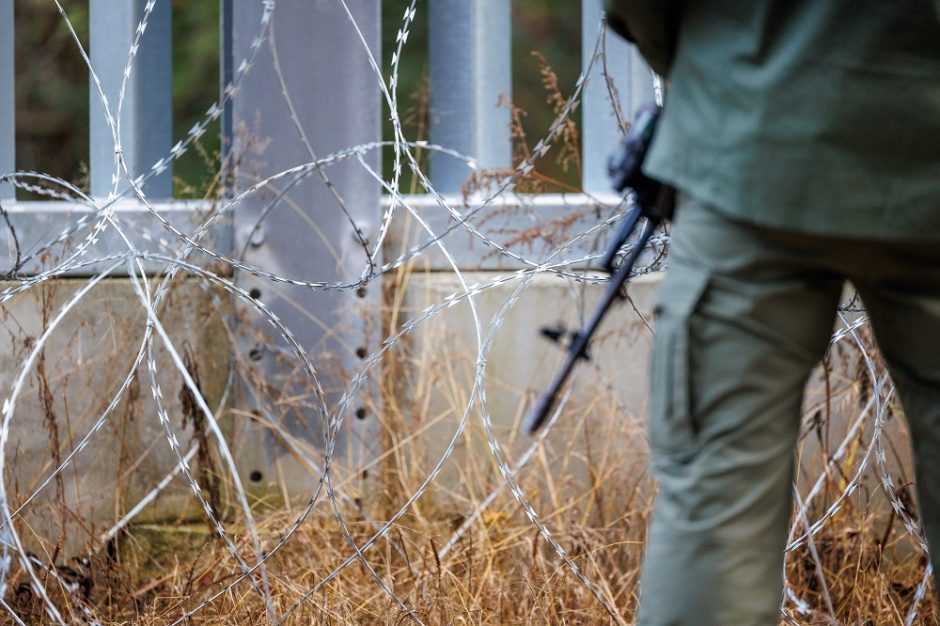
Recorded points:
(653, 202)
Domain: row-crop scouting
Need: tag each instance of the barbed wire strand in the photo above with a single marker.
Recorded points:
(71, 251)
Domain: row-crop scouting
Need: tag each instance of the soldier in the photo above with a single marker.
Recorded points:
(804, 139)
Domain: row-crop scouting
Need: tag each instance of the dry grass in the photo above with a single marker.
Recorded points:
(589, 487)
(587, 482)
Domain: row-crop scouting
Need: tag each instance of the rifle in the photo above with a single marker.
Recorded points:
(653, 203)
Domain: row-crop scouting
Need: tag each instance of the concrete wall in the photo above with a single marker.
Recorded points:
(86, 359)
(597, 423)
(429, 375)
(521, 363)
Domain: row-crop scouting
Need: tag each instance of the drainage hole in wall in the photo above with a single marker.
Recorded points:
(362, 352)
(255, 476)
(361, 413)
(361, 292)
(255, 293)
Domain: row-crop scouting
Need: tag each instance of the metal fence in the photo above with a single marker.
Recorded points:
(298, 243)
(313, 90)
(470, 68)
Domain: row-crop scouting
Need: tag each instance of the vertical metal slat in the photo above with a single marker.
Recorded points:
(305, 234)
(227, 68)
(634, 84)
(7, 100)
(470, 66)
(146, 116)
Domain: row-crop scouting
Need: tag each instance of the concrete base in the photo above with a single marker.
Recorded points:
(605, 418)
(86, 359)
(602, 423)
(427, 380)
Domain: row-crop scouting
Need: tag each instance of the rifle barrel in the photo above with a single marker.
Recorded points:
(579, 345)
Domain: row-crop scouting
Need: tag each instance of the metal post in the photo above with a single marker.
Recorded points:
(306, 235)
(633, 82)
(470, 65)
(146, 117)
(7, 104)
(227, 68)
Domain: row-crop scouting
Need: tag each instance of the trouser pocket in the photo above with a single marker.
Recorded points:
(672, 430)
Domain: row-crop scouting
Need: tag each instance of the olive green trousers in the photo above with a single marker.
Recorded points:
(744, 315)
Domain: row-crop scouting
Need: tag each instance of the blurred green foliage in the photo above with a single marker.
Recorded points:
(52, 81)
(52, 92)
(196, 86)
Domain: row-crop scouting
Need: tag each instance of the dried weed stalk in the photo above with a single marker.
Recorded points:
(587, 481)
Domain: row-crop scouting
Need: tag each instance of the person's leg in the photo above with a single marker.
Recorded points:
(901, 293)
(744, 314)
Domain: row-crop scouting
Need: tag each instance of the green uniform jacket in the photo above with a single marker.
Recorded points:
(820, 116)
(650, 24)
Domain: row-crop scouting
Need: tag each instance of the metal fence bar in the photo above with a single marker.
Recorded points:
(146, 117)
(227, 69)
(633, 83)
(312, 63)
(499, 220)
(33, 224)
(7, 93)
(470, 47)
